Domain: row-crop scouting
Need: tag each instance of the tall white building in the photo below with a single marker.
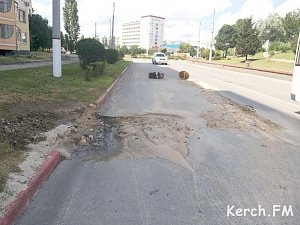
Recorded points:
(148, 33)
(131, 33)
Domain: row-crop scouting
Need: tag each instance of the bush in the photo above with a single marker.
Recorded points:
(112, 56)
(98, 68)
(88, 73)
(205, 53)
(94, 70)
(279, 46)
(90, 50)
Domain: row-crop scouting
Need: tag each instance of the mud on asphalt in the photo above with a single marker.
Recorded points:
(142, 136)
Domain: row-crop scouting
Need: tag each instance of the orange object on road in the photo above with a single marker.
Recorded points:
(184, 75)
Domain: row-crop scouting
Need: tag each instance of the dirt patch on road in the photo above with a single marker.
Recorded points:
(28, 132)
(226, 114)
(146, 136)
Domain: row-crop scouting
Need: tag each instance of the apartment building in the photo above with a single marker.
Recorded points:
(152, 32)
(14, 26)
(147, 33)
(131, 33)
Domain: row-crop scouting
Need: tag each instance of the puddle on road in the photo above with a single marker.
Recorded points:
(160, 136)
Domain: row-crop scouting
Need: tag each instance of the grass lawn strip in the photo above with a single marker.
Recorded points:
(33, 101)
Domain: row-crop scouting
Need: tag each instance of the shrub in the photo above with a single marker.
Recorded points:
(93, 70)
(90, 50)
(279, 46)
(88, 73)
(112, 56)
(98, 68)
(205, 53)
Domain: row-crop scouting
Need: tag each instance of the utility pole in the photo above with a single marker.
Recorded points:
(112, 44)
(212, 38)
(95, 30)
(56, 42)
(198, 46)
(109, 41)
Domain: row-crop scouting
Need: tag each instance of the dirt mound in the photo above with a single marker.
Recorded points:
(146, 136)
(228, 115)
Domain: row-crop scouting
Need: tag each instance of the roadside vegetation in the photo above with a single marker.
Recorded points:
(33, 101)
(280, 61)
(31, 57)
(269, 43)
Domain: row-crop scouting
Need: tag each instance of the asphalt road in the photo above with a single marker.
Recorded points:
(228, 166)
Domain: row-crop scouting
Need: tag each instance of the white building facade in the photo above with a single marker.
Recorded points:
(131, 33)
(148, 33)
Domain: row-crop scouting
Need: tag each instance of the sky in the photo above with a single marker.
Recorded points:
(183, 18)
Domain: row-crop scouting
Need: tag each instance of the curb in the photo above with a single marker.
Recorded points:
(108, 92)
(43, 172)
(24, 197)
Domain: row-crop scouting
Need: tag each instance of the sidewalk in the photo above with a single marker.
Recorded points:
(25, 65)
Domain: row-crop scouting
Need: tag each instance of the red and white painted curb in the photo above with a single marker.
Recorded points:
(24, 197)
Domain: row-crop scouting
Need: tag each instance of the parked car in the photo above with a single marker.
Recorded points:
(159, 58)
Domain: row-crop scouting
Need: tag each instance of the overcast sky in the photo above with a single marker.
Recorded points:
(183, 17)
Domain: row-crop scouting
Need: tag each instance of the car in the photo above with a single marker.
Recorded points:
(159, 58)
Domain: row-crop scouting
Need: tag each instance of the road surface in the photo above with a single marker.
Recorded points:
(176, 153)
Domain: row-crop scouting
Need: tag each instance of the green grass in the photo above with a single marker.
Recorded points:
(25, 92)
(287, 55)
(33, 56)
(259, 62)
(38, 84)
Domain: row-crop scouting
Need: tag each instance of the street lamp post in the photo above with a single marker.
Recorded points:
(212, 38)
(56, 39)
(198, 45)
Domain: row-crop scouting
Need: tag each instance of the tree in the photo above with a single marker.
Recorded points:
(271, 28)
(187, 48)
(104, 41)
(63, 40)
(90, 50)
(112, 56)
(164, 50)
(135, 50)
(226, 38)
(124, 50)
(247, 42)
(70, 14)
(40, 33)
(291, 25)
(66, 43)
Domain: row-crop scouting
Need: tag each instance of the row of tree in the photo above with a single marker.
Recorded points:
(247, 37)
(41, 32)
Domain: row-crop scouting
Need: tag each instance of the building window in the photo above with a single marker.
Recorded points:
(6, 31)
(5, 5)
(22, 36)
(22, 16)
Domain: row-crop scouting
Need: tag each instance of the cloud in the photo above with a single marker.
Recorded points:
(287, 6)
(182, 17)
